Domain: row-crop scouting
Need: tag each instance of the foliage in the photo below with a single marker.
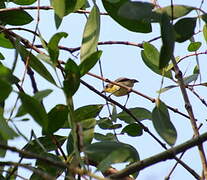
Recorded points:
(94, 131)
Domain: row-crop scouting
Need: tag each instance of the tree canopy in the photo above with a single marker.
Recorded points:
(52, 88)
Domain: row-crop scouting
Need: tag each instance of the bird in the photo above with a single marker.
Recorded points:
(120, 91)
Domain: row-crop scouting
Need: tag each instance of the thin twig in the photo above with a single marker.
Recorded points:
(193, 54)
(197, 95)
(54, 140)
(170, 173)
(17, 175)
(43, 8)
(46, 160)
(139, 122)
(39, 172)
(189, 109)
(23, 29)
(23, 40)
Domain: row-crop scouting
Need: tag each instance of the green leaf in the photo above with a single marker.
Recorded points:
(6, 75)
(56, 118)
(35, 109)
(43, 42)
(48, 168)
(70, 144)
(72, 81)
(2, 151)
(204, 17)
(196, 70)
(194, 46)
(64, 7)
(89, 62)
(168, 41)
(87, 130)
(25, 119)
(107, 153)
(1, 56)
(5, 90)
(5, 42)
(150, 56)
(53, 46)
(114, 114)
(90, 34)
(138, 112)
(45, 58)
(87, 112)
(46, 141)
(139, 11)
(1, 176)
(162, 123)
(16, 17)
(187, 80)
(6, 132)
(58, 21)
(39, 96)
(184, 29)
(113, 9)
(205, 32)
(24, 2)
(171, 66)
(74, 5)
(105, 123)
(2, 5)
(59, 7)
(178, 10)
(35, 63)
(88, 123)
(107, 137)
(162, 90)
(133, 129)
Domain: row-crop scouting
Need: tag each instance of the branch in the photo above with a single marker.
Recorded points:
(31, 155)
(72, 50)
(140, 123)
(40, 173)
(175, 110)
(180, 157)
(197, 95)
(169, 154)
(188, 106)
(7, 172)
(23, 40)
(46, 160)
(193, 54)
(43, 8)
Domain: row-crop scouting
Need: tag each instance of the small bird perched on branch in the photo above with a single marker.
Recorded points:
(120, 91)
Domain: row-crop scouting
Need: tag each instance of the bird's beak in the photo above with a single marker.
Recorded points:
(135, 81)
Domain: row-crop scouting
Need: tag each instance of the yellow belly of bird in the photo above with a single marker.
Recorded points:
(117, 91)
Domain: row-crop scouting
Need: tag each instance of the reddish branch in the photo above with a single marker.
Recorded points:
(43, 8)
